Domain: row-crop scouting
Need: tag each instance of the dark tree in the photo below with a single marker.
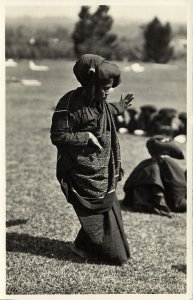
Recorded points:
(92, 33)
(157, 42)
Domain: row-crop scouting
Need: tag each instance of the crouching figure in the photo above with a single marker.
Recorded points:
(158, 184)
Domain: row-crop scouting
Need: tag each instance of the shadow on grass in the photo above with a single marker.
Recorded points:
(144, 211)
(180, 268)
(131, 209)
(46, 247)
(15, 222)
(50, 248)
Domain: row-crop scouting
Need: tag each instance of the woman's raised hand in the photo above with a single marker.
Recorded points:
(126, 100)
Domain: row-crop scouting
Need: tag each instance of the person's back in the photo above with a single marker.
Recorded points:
(144, 190)
(133, 121)
(144, 119)
(157, 184)
(183, 125)
(165, 122)
(174, 182)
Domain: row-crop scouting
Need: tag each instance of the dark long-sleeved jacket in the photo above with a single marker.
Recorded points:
(74, 117)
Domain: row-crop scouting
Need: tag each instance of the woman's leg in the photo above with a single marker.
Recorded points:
(103, 235)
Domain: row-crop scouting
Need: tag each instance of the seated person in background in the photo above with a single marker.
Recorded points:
(145, 117)
(119, 122)
(165, 122)
(157, 185)
(180, 134)
(183, 124)
(133, 121)
(122, 121)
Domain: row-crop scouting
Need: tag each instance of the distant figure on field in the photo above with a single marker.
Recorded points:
(145, 117)
(122, 121)
(119, 122)
(133, 121)
(183, 124)
(157, 185)
(165, 122)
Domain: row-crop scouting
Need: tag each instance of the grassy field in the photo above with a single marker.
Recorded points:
(41, 224)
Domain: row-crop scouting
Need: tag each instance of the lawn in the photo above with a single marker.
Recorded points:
(41, 224)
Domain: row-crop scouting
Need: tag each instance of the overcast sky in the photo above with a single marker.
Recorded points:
(172, 13)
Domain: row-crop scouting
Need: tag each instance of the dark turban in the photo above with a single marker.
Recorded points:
(92, 68)
(183, 116)
(159, 145)
(168, 112)
(148, 108)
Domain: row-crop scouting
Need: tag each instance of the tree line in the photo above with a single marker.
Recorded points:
(92, 33)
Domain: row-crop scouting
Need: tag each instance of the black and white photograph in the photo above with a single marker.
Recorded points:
(98, 149)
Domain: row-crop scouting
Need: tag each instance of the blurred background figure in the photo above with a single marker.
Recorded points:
(183, 124)
(180, 135)
(133, 121)
(165, 122)
(120, 122)
(145, 117)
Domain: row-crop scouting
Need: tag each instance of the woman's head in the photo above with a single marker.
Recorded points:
(102, 90)
(96, 75)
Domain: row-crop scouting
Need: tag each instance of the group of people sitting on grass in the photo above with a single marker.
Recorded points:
(150, 121)
(158, 184)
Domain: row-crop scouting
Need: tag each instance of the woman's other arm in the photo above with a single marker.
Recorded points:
(63, 133)
(118, 108)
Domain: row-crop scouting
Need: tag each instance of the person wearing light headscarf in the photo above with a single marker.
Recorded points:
(89, 162)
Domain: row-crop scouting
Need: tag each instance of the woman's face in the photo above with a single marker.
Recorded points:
(102, 90)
